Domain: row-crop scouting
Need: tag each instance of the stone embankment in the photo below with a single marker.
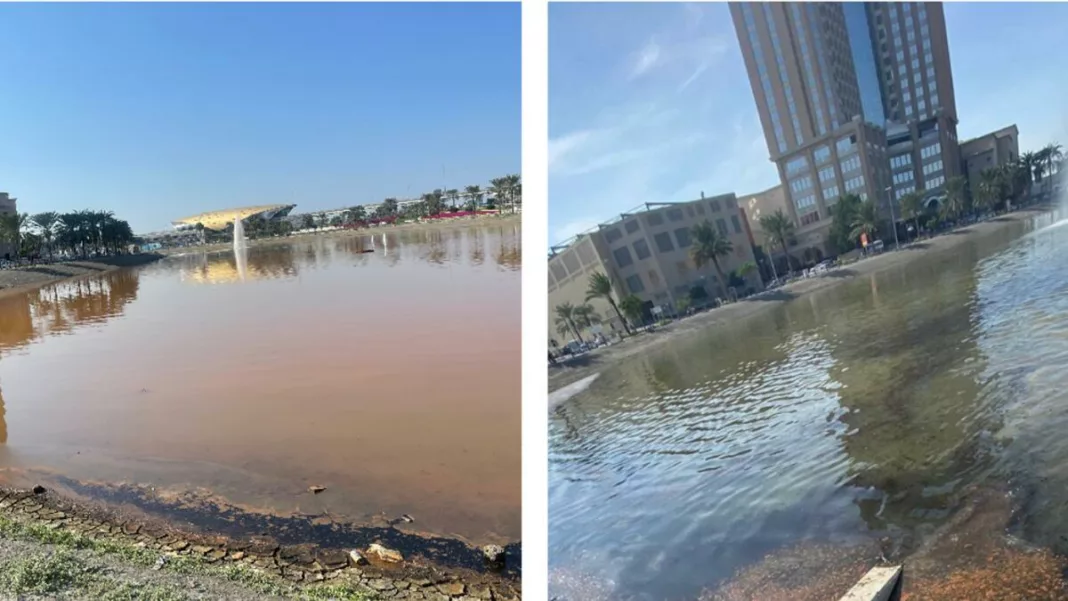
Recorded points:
(384, 573)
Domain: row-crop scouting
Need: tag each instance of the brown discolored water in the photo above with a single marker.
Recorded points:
(390, 377)
(850, 422)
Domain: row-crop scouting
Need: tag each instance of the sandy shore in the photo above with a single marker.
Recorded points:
(589, 364)
(452, 224)
(23, 279)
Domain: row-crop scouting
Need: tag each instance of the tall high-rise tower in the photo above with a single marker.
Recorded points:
(829, 82)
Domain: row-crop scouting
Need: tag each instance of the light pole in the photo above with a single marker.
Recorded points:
(893, 219)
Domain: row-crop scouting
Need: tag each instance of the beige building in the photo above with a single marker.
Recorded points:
(7, 206)
(828, 80)
(991, 150)
(646, 252)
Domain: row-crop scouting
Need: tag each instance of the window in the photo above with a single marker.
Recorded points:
(700, 208)
(903, 177)
(915, 64)
(822, 154)
(682, 236)
(933, 167)
(622, 256)
(846, 145)
(805, 203)
(654, 218)
(935, 182)
(801, 184)
(854, 183)
(663, 242)
(714, 205)
(902, 160)
(634, 284)
(906, 97)
(908, 110)
(722, 225)
(850, 164)
(808, 218)
(900, 53)
(827, 175)
(612, 234)
(934, 100)
(796, 165)
(737, 224)
(917, 78)
(674, 214)
(641, 249)
(931, 151)
(830, 193)
(922, 105)
(631, 226)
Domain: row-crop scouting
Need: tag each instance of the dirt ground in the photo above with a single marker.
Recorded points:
(594, 362)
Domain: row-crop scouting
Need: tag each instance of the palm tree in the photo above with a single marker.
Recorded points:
(956, 203)
(515, 190)
(47, 223)
(1052, 155)
(988, 194)
(565, 314)
(433, 203)
(388, 208)
(912, 207)
(632, 307)
(779, 227)
(866, 221)
(11, 226)
(499, 190)
(474, 195)
(454, 196)
(710, 245)
(1029, 161)
(601, 287)
(586, 315)
(358, 213)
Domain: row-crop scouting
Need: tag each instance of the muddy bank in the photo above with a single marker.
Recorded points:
(575, 369)
(23, 279)
(296, 550)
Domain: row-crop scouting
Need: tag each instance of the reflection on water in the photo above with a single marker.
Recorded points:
(384, 367)
(848, 415)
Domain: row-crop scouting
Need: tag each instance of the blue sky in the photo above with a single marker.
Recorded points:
(157, 111)
(650, 102)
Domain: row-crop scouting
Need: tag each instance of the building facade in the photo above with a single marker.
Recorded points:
(830, 80)
(647, 253)
(994, 149)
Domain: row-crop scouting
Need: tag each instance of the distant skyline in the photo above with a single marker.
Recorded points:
(651, 102)
(160, 111)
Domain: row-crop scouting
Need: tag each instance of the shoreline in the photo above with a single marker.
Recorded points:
(583, 366)
(432, 569)
(26, 279)
(511, 219)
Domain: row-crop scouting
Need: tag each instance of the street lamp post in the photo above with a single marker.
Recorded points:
(893, 219)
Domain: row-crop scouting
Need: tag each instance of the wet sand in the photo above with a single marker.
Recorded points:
(586, 365)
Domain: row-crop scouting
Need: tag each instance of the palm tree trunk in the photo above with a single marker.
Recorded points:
(723, 283)
(575, 330)
(789, 267)
(626, 328)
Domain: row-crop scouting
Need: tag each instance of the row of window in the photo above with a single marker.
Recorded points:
(796, 165)
(933, 167)
(808, 218)
(931, 151)
(777, 49)
(903, 177)
(663, 242)
(822, 154)
(805, 203)
(813, 89)
(846, 145)
(902, 160)
(826, 174)
(854, 183)
(935, 182)
(830, 193)
(850, 164)
(801, 184)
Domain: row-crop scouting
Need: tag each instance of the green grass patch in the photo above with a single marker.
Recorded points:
(45, 573)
